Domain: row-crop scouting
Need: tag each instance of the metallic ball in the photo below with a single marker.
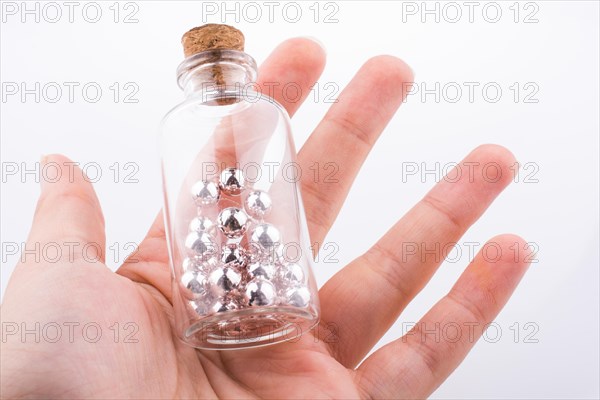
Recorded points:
(206, 193)
(233, 222)
(200, 246)
(232, 181)
(233, 255)
(293, 273)
(266, 235)
(298, 296)
(224, 280)
(202, 224)
(195, 283)
(223, 305)
(260, 293)
(258, 204)
(262, 270)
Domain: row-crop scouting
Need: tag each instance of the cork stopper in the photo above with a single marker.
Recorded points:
(212, 37)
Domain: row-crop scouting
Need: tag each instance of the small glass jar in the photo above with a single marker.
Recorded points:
(235, 225)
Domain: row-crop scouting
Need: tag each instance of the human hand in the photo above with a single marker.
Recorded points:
(359, 304)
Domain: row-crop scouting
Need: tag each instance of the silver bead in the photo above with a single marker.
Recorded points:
(224, 280)
(223, 305)
(200, 246)
(205, 193)
(261, 270)
(233, 222)
(232, 181)
(258, 204)
(265, 235)
(233, 255)
(298, 296)
(195, 283)
(260, 293)
(293, 273)
(202, 224)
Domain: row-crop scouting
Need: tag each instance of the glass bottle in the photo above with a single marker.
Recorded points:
(235, 225)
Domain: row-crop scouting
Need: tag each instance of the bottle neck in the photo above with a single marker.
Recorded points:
(216, 74)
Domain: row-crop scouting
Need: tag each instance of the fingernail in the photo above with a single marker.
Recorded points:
(317, 41)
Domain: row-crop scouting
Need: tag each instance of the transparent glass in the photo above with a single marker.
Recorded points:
(235, 225)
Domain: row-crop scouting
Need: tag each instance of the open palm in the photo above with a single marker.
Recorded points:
(116, 329)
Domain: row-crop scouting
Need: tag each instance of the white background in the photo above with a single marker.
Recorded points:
(558, 135)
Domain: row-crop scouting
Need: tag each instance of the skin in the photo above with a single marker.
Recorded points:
(326, 363)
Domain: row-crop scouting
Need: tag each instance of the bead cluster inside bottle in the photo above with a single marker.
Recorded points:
(235, 261)
(238, 260)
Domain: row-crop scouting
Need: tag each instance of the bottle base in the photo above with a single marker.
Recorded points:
(257, 326)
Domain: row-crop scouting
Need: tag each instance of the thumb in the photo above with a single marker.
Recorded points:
(68, 224)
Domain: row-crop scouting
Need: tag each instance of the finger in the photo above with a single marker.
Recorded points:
(415, 365)
(149, 263)
(341, 142)
(296, 63)
(68, 220)
(366, 297)
(299, 61)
